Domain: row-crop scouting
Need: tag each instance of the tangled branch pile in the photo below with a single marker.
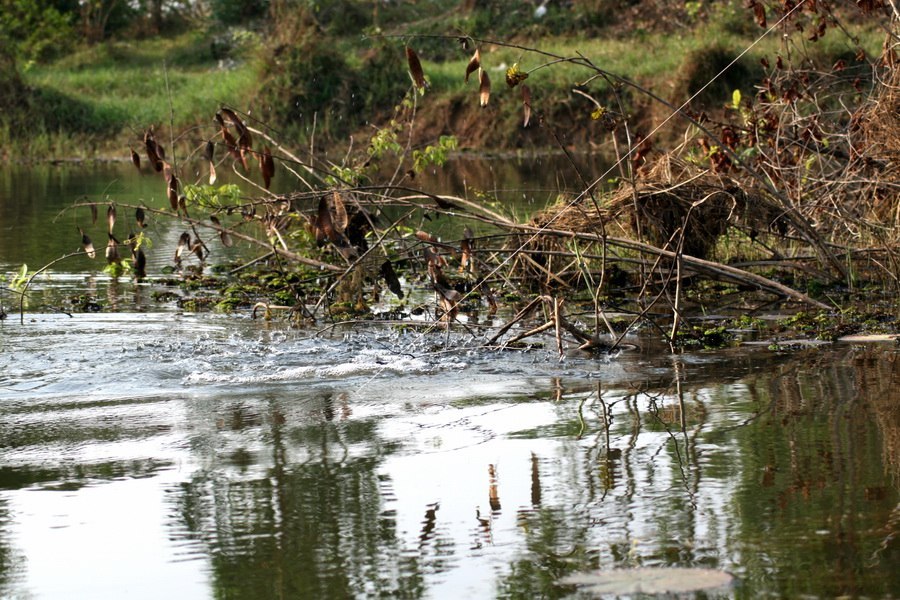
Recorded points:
(801, 179)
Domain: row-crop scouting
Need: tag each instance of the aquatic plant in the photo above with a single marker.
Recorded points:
(791, 169)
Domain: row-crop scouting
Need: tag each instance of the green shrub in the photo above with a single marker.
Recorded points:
(238, 12)
(36, 32)
(342, 17)
(313, 78)
(310, 78)
(13, 93)
(704, 65)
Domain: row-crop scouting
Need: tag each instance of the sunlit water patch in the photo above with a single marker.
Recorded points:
(195, 456)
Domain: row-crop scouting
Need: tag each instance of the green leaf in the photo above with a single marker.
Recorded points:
(736, 99)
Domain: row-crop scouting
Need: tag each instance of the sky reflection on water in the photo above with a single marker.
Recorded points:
(193, 457)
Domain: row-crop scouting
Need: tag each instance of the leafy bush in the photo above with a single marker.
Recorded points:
(36, 31)
(704, 65)
(13, 93)
(314, 78)
(308, 79)
(342, 17)
(238, 12)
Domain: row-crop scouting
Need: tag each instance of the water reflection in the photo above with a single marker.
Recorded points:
(782, 469)
(310, 524)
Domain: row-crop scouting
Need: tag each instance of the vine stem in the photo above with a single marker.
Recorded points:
(35, 274)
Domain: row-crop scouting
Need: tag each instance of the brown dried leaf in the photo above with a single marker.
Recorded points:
(474, 64)
(484, 87)
(467, 246)
(245, 141)
(267, 166)
(488, 293)
(449, 300)
(244, 152)
(435, 262)
(209, 151)
(112, 250)
(155, 153)
(526, 105)
(172, 191)
(427, 237)
(93, 214)
(139, 261)
(87, 244)
(223, 233)
(197, 249)
(390, 277)
(238, 123)
(140, 217)
(231, 144)
(340, 213)
(135, 159)
(324, 227)
(415, 68)
(110, 218)
(212, 173)
(184, 242)
(759, 13)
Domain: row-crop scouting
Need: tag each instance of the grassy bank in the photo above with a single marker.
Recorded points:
(95, 101)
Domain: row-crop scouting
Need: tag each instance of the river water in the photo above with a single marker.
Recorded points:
(149, 452)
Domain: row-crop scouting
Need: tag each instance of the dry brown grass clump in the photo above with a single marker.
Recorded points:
(672, 205)
(875, 142)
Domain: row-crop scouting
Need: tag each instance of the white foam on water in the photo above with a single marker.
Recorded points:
(366, 362)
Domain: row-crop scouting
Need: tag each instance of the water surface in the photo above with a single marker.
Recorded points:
(218, 457)
(149, 452)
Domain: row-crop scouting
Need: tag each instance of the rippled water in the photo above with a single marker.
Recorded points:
(154, 453)
(193, 456)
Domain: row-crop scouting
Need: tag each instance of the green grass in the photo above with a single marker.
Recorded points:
(652, 60)
(103, 95)
(98, 100)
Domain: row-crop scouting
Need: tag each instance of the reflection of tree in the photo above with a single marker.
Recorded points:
(9, 563)
(778, 478)
(878, 380)
(815, 458)
(554, 548)
(315, 528)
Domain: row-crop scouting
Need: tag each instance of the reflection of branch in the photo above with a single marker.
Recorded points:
(35, 274)
(654, 410)
(893, 527)
(769, 409)
(429, 523)
(581, 416)
(493, 492)
(535, 481)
